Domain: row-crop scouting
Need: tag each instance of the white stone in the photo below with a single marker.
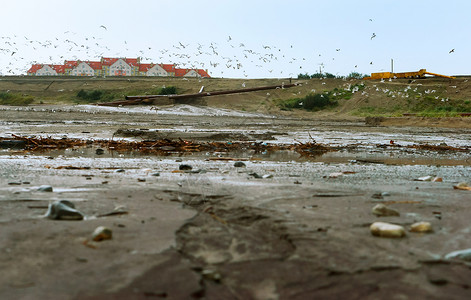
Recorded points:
(383, 229)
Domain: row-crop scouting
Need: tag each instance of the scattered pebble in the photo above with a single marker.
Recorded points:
(239, 164)
(255, 175)
(335, 174)
(45, 188)
(429, 178)
(155, 174)
(421, 227)
(120, 170)
(267, 176)
(460, 254)
(102, 233)
(141, 179)
(63, 210)
(185, 167)
(382, 210)
(462, 186)
(99, 151)
(14, 183)
(424, 178)
(388, 230)
(178, 160)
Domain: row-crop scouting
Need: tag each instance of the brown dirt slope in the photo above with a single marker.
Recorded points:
(370, 98)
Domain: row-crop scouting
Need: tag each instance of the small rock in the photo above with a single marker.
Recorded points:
(211, 275)
(382, 210)
(388, 230)
(178, 160)
(335, 174)
(462, 186)
(421, 227)
(120, 170)
(45, 188)
(102, 233)
(185, 167)
(239, 164)
(155, 174)
(255, 175)
(14, 183)
(99, 151)
(141, 179)
(429, 178)
(377, 196)
(63, 210)
(460, 254)
(267, 176)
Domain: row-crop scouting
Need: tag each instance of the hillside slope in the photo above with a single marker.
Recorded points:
(431, 97)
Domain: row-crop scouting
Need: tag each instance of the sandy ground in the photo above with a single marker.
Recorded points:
(302, 232)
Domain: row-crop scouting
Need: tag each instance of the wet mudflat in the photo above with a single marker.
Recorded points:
(276, 225)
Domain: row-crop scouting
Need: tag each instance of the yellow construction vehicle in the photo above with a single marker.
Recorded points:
(420, 74)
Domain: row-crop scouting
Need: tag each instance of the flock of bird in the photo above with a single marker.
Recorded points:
(229, 58)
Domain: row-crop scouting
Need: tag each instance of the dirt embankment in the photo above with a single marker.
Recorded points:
(368, 97)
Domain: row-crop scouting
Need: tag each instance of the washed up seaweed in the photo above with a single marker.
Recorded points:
(163, 146)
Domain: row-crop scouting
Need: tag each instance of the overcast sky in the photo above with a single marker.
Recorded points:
(240, 38)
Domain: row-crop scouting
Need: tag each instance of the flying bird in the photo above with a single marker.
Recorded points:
(452, 50)
(104, 27)
(373, 36)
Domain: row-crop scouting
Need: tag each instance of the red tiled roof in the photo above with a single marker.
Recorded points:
(168, 67)
(181, 72)
(145, 67)
(60, 69)
(108, 61)
(70, 64)
(95, 65)
(132, 61)
(203, 73)
(34, 68)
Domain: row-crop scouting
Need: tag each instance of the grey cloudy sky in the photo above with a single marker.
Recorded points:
(253, 39)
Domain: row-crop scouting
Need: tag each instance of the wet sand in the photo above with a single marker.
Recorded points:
(301, 232)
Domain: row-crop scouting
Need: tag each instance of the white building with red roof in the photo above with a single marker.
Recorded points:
(152, 70)
(46, 70)
(113, 66)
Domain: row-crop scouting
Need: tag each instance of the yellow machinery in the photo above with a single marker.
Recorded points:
(420, 74)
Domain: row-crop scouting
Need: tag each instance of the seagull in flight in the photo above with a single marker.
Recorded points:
(104, 27)
(452, 50)
(373, 36)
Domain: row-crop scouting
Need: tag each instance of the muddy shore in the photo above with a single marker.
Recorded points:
(297, 230)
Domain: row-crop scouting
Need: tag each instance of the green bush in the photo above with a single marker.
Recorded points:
(170, 90)
(356, 75)
(304, 76)
(15, 99)
(312, 102)
(94, 95)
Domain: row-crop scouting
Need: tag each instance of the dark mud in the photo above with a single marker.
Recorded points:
(219, 232)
